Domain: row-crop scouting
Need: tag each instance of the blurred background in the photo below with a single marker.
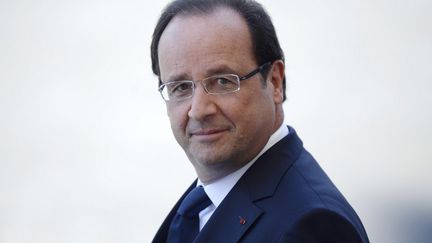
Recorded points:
(86, 151)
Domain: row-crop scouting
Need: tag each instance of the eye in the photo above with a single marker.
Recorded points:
(224, 81)
(222, 84)
(181, 87)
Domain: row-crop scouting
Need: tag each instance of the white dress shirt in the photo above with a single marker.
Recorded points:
(218, 190)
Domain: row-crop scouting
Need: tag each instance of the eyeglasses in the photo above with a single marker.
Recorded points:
(214, 85)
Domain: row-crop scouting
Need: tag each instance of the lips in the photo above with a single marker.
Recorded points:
(207, 135)
(207, 132)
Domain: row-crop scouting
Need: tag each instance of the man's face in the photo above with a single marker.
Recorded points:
(219, 133)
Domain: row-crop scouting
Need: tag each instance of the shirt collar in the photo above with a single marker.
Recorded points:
(218, 190)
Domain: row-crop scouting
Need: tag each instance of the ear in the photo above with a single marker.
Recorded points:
(277, 73)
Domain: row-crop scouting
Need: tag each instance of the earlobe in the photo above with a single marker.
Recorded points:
(277, 76)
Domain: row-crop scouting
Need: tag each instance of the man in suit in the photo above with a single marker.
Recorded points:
(221, 74)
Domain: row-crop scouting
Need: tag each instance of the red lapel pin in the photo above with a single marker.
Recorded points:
(242, 220)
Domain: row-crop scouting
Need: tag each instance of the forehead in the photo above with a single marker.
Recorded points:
(192, 44)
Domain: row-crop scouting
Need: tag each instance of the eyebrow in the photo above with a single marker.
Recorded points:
(221, 69)
(177, 77)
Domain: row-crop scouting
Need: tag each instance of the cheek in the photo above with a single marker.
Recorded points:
(178, 119)
(256, 108)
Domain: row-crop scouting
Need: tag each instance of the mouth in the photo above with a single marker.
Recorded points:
(208, 135)
(207, 132)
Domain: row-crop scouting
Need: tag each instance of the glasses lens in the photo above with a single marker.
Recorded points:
(222, 84)
(177, 90)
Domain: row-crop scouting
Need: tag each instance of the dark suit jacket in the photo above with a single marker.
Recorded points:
(284, 197)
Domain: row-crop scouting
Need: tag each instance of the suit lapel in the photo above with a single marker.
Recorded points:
(239, 210)
(262, 179)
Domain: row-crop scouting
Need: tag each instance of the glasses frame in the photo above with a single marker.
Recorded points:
(259, 69)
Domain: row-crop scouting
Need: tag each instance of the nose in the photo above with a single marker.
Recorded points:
(202, 104)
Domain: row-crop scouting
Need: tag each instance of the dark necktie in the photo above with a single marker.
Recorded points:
(185, 225)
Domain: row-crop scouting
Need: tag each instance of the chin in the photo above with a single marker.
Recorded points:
(209, 161)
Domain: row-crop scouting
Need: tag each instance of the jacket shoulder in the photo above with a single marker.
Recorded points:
(323, 226)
